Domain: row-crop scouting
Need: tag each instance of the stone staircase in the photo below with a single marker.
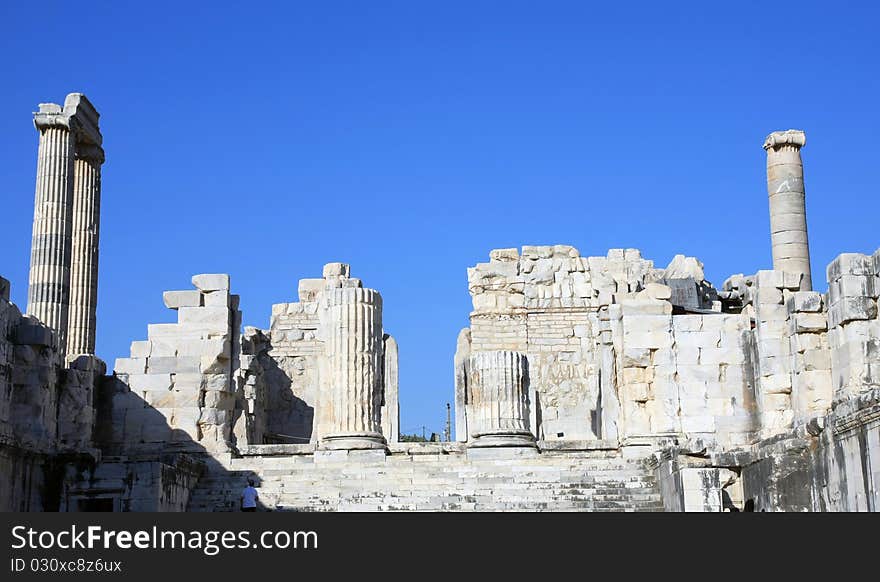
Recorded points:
(486, 480)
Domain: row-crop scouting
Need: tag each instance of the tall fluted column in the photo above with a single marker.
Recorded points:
(84, 255)
(49, 280)
(498, 396)
(788, 214)
(354, 354)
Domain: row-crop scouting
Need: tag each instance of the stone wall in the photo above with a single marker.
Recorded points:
(132, 483)
(545, 303)
(817, 396)
(685, 375)
(47, 411)
(607, 359)
(177, 389)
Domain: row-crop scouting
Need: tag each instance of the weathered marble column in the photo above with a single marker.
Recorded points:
(49, 279)
(390, 396)
(788, 214)
(498, 396)
(354, 353)
(84, 255)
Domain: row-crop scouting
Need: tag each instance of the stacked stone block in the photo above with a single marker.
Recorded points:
(692, 485)
(709, 369)
(36, 373)
(689, 290)
(252, 394)
(556, 307)
(811, 391)
(648, 399)
(545, 277)
(610, 343)
(77, 413)
(564, 372)
(45, 407)
(773, 357)
(854, 329)
(294, 351)
(181, 377)
(9, 318)
(134, 482)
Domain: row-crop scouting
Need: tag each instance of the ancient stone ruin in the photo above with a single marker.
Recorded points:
(601, 383)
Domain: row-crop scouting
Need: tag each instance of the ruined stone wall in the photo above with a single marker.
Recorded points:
(47, 410)
(251, 419)
(177, 388)
(814, 361)
(31, 372)
(607, 359)
(132, 483)
(178, 394)
(844, 470)
(545, 303)
(854, 334)
(291, 367)
(685, 375)
(831, 465)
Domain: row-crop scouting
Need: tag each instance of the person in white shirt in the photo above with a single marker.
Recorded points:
(249, 497)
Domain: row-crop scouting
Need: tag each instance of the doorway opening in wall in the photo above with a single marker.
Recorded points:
(95, 504)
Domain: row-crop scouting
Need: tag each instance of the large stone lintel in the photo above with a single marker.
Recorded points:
(78, 115)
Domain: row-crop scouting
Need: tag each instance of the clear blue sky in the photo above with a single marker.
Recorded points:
(410, 138)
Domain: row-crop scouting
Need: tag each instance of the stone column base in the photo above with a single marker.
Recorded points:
(503, 438)
(353, 441)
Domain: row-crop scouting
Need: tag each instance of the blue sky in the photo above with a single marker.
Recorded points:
(410, 138)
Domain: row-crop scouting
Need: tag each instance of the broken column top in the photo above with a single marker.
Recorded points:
(790, 137)
(78, 114)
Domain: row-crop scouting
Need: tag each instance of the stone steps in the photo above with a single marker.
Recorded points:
(450, 482)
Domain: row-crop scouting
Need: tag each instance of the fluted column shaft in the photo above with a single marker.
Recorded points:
(354, 353)
(498, 398)
(84, 254)
(49, 279)
(788, 214)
